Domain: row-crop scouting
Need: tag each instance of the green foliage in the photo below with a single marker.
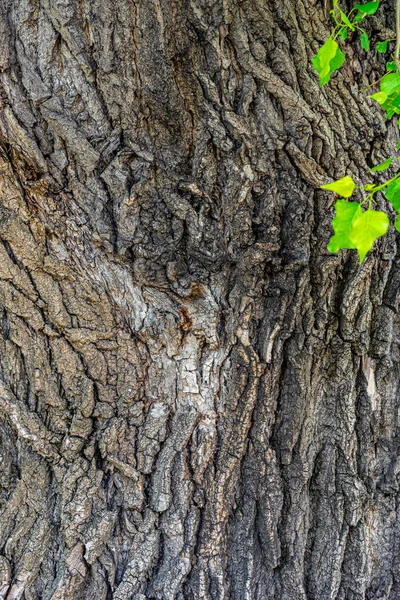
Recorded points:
(346, 213)
(355, 228)
(328, 59)
(382, 46)
(389, 95)
(369, 8)
(392, 193)
(382, 166)
(344, 187)
(346, 20)
(367, 228)
(364, 41)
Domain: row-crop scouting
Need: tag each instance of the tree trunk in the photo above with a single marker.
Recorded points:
(197, 400)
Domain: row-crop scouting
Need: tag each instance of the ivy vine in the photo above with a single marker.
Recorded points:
(355, 228)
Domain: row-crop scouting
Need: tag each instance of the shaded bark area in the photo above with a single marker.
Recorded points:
(197, 401)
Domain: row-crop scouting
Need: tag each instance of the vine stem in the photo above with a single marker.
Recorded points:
(397, 51)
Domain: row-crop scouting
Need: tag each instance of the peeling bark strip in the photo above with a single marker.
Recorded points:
(197, 401)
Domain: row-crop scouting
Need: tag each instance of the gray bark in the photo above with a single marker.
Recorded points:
(197, 401)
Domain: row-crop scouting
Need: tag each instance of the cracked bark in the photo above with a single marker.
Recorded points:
(197, 401)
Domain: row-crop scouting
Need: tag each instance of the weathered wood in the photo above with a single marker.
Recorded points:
(197, 401)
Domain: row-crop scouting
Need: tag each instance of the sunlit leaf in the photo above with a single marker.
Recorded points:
(390, 83)
(346, 20)
(328, 59)
(380, 97)
(392, 193)
(368, 227)
(346, 213)
(343, 187)
(382, 166)
(389, 95)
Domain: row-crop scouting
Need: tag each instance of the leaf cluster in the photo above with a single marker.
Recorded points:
(330, 57)
(355, 228)
(389, 94)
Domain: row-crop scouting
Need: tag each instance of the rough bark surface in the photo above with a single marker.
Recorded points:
(197, 401)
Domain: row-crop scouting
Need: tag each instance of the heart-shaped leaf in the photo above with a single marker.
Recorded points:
(368, 227)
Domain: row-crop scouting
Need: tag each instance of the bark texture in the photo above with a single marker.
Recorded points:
(197, 401)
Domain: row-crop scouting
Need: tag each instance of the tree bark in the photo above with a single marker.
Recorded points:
(197, 401)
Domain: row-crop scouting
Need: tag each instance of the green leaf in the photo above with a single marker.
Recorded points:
(369, 8)
(359, 17)
(337, 61)
(364, 41)
(392, 193)
(382, 166)
(397, 223)
(346, 20)
(391, 66)
(344, 187)
(390, 84)
(327, 60)
(343, 33)
(391, 104)
(368, 227)
(369, 187)
(382, 46)
(395, 101)
(380, 97)
(346, 213)
(389, 95)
